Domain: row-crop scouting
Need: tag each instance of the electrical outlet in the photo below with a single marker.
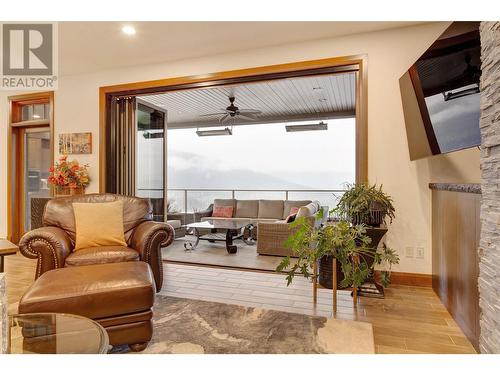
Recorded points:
(409, 252)
(419, 252)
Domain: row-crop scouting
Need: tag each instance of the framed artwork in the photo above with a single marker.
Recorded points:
(75, 143)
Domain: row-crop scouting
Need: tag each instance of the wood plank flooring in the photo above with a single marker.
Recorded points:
(408, 320)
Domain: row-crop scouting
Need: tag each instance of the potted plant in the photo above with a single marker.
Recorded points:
(337, 240)
(68, 178)
(365, 204)
(371, 206)
(348, 244)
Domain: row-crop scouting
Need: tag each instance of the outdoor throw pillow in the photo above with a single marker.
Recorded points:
(292, 215)
(223, 211)
(99, 224)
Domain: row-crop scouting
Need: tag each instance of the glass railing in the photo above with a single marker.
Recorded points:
(194, 200)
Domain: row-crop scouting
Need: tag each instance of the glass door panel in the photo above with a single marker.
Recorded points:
(150, 157)
(37, 157)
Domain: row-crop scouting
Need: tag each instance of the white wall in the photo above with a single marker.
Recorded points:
(390, 53)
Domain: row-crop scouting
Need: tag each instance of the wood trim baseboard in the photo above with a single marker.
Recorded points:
(410, 279)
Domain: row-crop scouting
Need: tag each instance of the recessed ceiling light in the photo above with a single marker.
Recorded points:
(322, 100)
(129, 30)
(36, 116)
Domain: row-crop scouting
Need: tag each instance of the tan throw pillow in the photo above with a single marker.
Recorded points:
(99, 224)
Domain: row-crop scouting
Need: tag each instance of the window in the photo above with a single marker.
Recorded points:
(261, 157)
(38, 111)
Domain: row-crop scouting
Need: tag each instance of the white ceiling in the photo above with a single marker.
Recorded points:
(93, 46)
(305, 98)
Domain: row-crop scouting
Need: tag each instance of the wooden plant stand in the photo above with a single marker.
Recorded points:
(334, 286)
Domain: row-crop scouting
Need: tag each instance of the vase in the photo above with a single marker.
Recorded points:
(325, 274)
(66, 191)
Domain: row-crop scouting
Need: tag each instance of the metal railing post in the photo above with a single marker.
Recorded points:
(286, 194)
(185, 205)
(232, 194)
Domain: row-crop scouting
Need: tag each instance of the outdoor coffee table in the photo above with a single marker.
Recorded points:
(234, 230)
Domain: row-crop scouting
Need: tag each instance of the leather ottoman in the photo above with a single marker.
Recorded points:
(119, 296)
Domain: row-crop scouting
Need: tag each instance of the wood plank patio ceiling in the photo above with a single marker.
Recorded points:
(281, 100)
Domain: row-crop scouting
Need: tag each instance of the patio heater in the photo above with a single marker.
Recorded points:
(214, 132)
(306, 127)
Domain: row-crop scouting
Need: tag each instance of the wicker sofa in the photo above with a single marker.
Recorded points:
(268, 216)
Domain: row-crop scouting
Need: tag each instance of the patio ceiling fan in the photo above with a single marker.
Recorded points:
(233, 112)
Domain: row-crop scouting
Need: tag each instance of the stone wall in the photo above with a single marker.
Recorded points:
(489, 248)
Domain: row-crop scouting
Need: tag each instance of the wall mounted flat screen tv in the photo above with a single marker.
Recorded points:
(441, 92)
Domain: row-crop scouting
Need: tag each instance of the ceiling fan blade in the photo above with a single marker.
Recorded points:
(224, 118)
(250, 111)
(214, 114)
(246, 117)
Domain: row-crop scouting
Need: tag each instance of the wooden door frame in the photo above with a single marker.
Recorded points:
(14, 224)
(357, 63)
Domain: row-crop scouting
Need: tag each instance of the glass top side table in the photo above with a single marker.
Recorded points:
(48, 333)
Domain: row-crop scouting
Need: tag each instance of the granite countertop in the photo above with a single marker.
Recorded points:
(461, 188)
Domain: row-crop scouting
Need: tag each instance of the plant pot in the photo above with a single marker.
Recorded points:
(65, 191)
(325, 277)
(325, 264)
(374, 219)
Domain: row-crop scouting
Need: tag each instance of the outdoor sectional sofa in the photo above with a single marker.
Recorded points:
(269, 218)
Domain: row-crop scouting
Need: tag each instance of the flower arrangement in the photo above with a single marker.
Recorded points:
(66, 174)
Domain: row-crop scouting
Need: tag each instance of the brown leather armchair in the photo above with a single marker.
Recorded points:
(53, 243)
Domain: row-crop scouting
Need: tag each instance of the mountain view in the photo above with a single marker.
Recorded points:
(251, 159)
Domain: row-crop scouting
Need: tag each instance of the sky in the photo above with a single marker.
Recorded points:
(260, 156)
(314, 159)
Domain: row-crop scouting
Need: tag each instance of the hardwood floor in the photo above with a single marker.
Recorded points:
(408, 320)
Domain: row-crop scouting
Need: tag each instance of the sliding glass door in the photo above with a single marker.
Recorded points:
(135, 151)
(150, 156)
